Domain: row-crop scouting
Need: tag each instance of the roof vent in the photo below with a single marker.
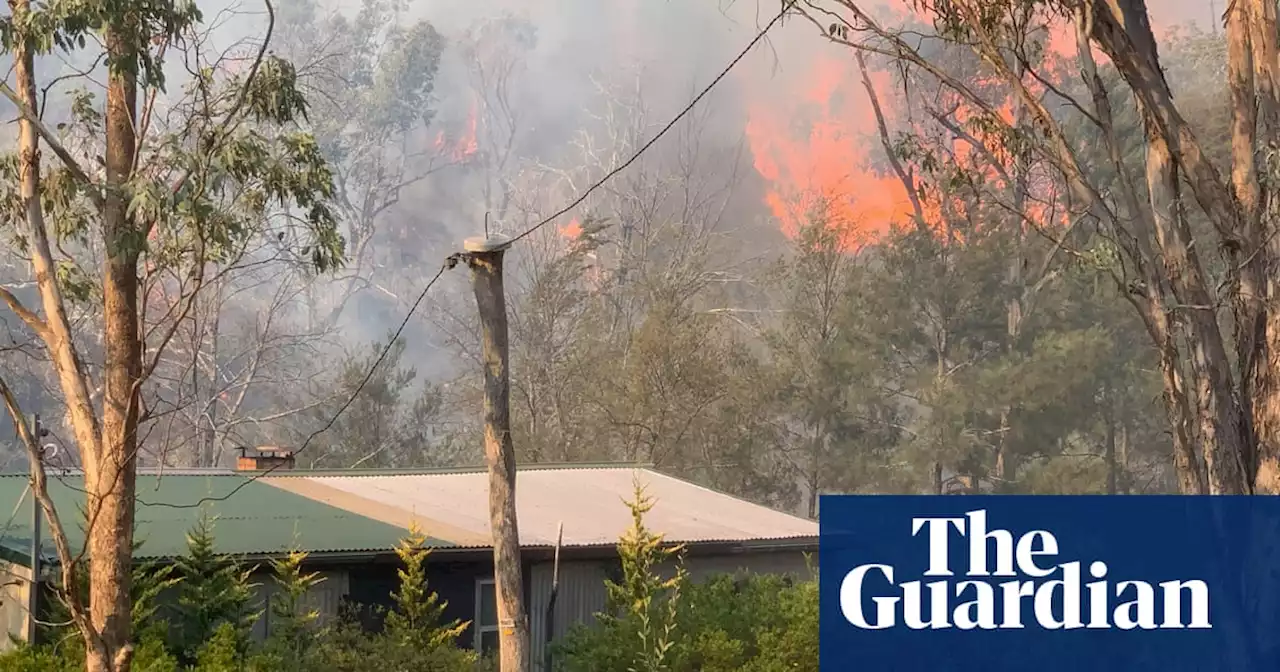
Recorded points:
(264, 458)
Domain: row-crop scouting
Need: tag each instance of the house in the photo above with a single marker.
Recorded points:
(350, 522)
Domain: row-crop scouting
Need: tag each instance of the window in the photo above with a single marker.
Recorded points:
(486, 623)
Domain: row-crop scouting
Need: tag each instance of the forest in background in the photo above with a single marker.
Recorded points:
(712, 311)
(965, 246)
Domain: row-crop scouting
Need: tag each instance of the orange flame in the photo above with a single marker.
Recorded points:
(819, 143)
(465, 146)
(572, 230)
(816, 151)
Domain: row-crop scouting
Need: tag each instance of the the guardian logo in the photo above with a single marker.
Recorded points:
(1053, 594)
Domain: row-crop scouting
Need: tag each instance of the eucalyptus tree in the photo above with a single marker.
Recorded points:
(1217, 333)
(157, 188)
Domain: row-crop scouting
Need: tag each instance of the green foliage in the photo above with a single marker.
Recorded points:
(382, 65)
(151, 580)
(33, 659)
(204, 627)
(414, 636)
(417, 621)
(214, 592)
(758, 623)
(292, 622)
(645, 600)
(638, 629)
(657, 620)
(836, 431)
(151, 654)
(389, 422)
(222, 651)
(211, 176)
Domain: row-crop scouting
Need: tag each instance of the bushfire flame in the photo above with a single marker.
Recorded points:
(818, 150)
(818, 143)
(463, 147)
(572, 230)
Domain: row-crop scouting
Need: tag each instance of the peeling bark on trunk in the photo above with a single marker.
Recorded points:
(1216, 410)
(1263, 352)
(1121, 28)
(1232, 419)
(110, 475)
(1148, 298)
(1249, 284)
(1186, 460)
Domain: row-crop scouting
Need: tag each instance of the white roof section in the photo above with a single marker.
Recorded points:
(589, 501)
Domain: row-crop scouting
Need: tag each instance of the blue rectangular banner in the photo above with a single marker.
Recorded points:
(1016, 583)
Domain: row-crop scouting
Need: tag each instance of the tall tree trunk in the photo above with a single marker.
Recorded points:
(110, 476)
(106, 627)
(1148, 297)
(1123, 30)
(1249, 284)
(1216, 410)
(1186, 460)
(1257, 27)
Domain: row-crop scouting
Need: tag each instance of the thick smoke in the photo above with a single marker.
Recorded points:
(585, 52)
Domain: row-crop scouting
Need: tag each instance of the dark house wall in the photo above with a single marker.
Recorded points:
(371, 585)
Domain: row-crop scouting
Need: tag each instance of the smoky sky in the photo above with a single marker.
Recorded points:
(671, 47)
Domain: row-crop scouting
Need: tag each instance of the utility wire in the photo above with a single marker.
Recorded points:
(4, 534)
(449, 263)
(645, 147)
(452, 260)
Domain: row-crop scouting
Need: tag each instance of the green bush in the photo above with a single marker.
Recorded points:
(207, 628)
(747, 623)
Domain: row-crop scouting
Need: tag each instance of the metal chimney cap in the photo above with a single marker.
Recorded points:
(492, 243)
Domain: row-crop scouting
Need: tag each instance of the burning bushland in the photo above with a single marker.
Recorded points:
(928, 246)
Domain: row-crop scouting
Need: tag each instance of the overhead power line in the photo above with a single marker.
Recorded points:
(452, 260)
(671, 124)
(449, 263)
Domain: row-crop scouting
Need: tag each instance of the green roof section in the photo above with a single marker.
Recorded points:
(249, 517)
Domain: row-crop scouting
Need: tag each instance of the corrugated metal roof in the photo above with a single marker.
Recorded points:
(256, 520)
(590, 501)
(369, 511)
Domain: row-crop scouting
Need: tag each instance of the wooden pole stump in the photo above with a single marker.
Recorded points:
(485, 260)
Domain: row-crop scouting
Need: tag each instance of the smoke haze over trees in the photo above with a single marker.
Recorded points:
(705, 311)
(1015, 246)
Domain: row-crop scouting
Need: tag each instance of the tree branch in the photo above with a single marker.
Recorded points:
(40, 491)
(52, 140)
(30, 318)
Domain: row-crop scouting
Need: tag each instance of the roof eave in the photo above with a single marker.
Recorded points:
(701, 547)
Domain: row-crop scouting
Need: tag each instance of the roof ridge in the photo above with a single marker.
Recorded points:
(191, 472)
(445, 471)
